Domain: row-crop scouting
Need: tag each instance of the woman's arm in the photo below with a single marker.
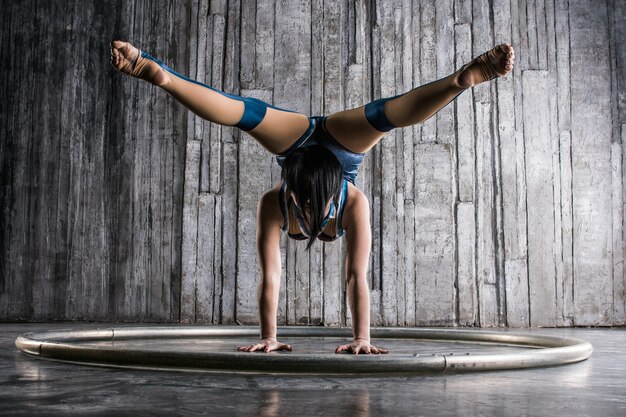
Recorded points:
(269, 220)
(359, 236)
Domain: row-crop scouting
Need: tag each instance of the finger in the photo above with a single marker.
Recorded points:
(342, 348)
(242, 348)
(367, 350)
(355, 350)
(256, 347)
(285, 347)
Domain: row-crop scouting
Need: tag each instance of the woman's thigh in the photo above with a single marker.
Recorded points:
(280, 129)
(274, 128)
(352, 130)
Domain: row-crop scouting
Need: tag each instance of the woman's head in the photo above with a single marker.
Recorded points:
(314, 178)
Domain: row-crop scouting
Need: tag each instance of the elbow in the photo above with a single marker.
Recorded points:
(356, 276)
(269, 281)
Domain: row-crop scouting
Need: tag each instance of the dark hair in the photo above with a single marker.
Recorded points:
(314, 175)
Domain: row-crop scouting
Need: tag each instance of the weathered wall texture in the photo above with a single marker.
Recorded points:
(506, 208)
(91, 164)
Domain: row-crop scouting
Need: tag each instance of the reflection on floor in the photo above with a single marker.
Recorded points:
(596, 387)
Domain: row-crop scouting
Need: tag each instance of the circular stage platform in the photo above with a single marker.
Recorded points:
(213, 349)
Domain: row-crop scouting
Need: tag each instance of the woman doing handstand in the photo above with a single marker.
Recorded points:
(320, 156)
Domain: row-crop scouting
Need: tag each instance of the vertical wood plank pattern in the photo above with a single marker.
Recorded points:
(190, 235)
(505, 209)
(406, 186)
(467, 309)
(205, 276)
(591, 164)
(539, 166)
(428, 59)
(485, 219)
(445, 65)
(435, 237)
(620, 281)
(387, 174)
(617, 243)
(90, 167)
(224, 303)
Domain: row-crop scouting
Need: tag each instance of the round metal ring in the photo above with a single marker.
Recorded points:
(105, 347)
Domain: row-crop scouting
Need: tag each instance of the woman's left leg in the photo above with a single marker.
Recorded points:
(360, 129)
(274, 128)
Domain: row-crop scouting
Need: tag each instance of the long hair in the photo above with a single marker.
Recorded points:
(314, 175)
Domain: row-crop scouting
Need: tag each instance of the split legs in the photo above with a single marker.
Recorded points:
(277, 129)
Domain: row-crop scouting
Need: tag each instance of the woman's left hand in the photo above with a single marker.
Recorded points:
(360, 346)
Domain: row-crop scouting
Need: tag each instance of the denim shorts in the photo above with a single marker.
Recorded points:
(317, 134)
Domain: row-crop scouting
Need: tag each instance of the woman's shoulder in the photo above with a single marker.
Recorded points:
(356, 206)
(274, 191)
(355, 197)
(269, 204)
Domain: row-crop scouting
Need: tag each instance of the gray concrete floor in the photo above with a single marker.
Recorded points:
(32, 387)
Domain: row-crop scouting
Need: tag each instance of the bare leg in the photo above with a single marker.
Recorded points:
(276, 129)
(361, 128)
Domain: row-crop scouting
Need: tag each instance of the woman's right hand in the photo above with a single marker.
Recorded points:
(266, 345)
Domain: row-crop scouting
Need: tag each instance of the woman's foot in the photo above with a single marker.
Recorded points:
(495, 63)
(127, 59)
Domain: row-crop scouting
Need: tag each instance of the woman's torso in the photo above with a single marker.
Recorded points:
(350, 163)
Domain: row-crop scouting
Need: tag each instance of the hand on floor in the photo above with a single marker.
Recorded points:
(360, 346)
(265, 345)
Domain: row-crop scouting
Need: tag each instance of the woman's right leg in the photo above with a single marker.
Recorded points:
(360, 129)
(276, 129)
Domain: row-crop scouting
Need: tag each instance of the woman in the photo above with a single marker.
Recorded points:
(320, 156)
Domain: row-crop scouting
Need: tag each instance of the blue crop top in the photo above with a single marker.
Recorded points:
(318, 134)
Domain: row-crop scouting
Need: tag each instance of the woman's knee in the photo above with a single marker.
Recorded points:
(253, 113)
(376, 116)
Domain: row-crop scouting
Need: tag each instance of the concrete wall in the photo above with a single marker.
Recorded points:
(506, 208)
